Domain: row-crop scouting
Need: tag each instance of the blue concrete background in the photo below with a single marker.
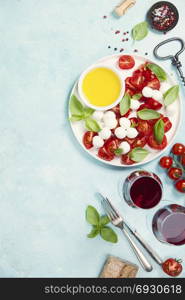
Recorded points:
(46, 179)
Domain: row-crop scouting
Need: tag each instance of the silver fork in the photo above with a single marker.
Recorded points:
(117, 221)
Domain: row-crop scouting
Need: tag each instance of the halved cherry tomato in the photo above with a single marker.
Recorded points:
(129, 140)
(129, 87)
(143, 106)
(166, 162)
(138, 80)
(87, 139)
(180, 185)
(102, 153)
(153, 121)
(178, 149)
(172, 267)
(126, 62)
(153, 143)
(140, 141)
(154, 84)
(167, 124)
(144, 127)
(154, 104)
(111, 145)
(175, 173)
(116, 110)
(125, 160)
(148, 75)
(134, 122)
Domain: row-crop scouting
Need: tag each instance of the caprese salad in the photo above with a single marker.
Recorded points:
(135, 126)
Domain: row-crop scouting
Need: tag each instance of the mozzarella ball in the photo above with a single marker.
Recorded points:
(134, 104)
(97, 141)
(125, 147)
(157, 95)
(120, 132)
(147, 92)
(124, 122)
(105, 133)
(98, 115)
(109, 115)
(131, 133)
(110, 123)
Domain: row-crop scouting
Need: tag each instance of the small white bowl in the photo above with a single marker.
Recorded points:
(85, 100)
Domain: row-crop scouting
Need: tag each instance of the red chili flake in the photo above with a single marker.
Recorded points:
(121, 50)
(104, 17)
(117, 32)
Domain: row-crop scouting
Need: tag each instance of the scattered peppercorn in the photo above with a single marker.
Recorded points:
(117, 32)
(135, 50)
(104, 17)
(127, 39)
(115, 49)
(123, 40)
(146, 53)
(121, 50)
(109, 47)
(127, 32)
(124, 33)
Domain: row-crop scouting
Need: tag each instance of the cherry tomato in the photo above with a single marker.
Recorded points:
(102, 153)
(144, 127)
(154, 84)
(140, 141)
(153, 121)
(129, 87)
(143, 106)
(167, 124)
(87, 139)
(154, 104)
(172, 267)
(111, 145)
(138, 80)
(166, 162)
(182, 160)
(134, 122)
(153, 143)
(180, 185)
(129, 140)
(178, 149)
(126, 62)
(175, 173)
(148, 75)
(125, 160)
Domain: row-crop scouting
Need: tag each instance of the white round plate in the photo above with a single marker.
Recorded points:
(78, 127)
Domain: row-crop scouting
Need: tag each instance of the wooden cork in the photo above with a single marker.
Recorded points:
(123, 7)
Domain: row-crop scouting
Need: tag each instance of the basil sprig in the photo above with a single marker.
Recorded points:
(148, 114)
(137, 96)
(138, 154)
(158, 71)
(80, 112)
(159, 131)
(171, 95)
(99, 225)
(125, 104)
(140, 31)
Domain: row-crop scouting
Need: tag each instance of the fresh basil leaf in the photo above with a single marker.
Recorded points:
(94, 232)
(74, 118)
(118, 151)
(92, 125)
(138, 154)
(76, 107)
(125, 104)
(88, 112)
(171, 95)
(148, 114)
(108, 234)
(140, 31)
(92, 216)
(159, 131)
(158, 71)
(104, 220)
(136, 96)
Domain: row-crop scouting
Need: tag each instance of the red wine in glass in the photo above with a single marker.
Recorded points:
(168, 224)
(142, 189)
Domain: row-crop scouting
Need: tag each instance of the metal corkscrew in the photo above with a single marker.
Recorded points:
(175, 59)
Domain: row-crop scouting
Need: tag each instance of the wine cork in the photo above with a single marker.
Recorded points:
(123, 7)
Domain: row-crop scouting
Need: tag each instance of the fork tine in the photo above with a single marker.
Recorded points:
(112, 208)
(106, 209)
